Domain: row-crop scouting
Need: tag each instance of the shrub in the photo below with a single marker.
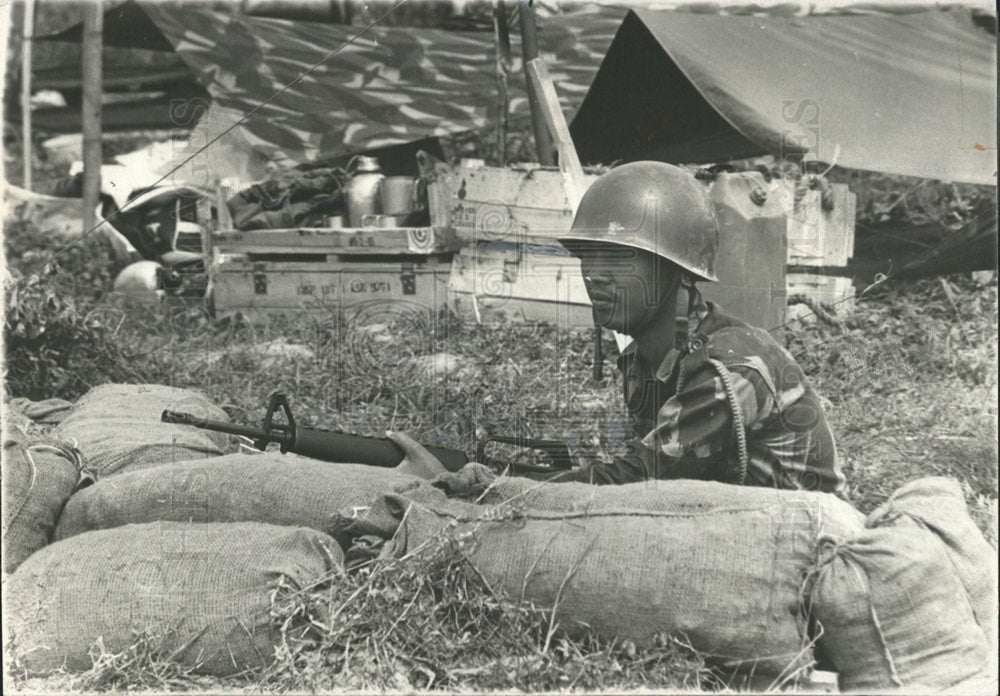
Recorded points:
(58, 344)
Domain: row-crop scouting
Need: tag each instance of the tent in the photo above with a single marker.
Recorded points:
(910, 94)
(296, 92)
(304, 92)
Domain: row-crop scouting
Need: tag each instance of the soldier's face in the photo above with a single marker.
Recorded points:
(626, 286)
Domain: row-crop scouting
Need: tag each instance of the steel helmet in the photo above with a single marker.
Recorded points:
(652, 206)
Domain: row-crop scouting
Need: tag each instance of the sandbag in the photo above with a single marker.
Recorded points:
(727, 578)
(14, 423)
(476, 482)
(38, 478)
(269, 487)
(118, 427)
(937, 504)
(202, 589)
(895, 615)
(23, 417)
(45, 412)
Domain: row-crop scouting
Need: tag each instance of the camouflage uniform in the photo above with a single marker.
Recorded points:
(684, 422)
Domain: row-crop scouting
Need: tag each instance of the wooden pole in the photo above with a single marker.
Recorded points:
(555, 122)
(529, 51)
(501, 36)
(27, 40)
(93, 29)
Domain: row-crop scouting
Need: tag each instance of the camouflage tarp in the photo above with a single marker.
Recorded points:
(315, 91)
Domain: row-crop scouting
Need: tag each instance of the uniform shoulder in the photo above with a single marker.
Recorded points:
(729, 338)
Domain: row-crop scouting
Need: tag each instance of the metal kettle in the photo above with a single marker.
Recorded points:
(363, 190)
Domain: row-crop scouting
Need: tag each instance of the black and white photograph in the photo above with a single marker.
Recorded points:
(499, 346)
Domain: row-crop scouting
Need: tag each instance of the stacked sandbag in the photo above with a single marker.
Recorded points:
(476, 482)
(118, 427)
(201, 591)
(894, 615)
(38, 478)
(937, 504)
(24, 417)
(638, 560)
(45, 412)
(270, 487)
(14, 423)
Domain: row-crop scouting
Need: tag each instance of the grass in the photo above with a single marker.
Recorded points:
(429, 621)
(910, 380)
(911, 383)
(911, 386)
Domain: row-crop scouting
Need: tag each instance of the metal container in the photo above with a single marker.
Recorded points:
(399, 195)
(363, 190)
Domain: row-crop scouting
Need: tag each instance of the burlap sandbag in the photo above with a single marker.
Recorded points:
(24, 417)
(38, 478)
(726, 578)
(937, 504)
(269, 487)
(894, 614)
(45, 412)
(476, 482)
(203, 586)
(118, 427)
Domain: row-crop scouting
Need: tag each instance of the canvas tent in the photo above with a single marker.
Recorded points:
(310, 92)
(296, 92)
(910, 94)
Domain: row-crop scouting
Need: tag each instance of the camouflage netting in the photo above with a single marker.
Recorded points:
(118, 427)
(204, 592)
(304, 92)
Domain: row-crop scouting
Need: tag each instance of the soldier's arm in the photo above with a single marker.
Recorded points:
(635, 465)
(693, 435)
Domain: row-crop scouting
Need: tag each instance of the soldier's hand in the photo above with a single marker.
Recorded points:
(469, 482)
(418, 461)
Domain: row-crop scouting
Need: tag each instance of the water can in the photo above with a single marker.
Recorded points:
(399, 195)
(363, 190)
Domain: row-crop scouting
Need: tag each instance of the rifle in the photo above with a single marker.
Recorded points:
(340, 447)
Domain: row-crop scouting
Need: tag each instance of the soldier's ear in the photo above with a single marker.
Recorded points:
(667, 269)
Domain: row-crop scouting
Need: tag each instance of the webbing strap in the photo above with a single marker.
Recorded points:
(739, 425)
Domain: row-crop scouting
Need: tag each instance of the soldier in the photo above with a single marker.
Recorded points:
(709, 396)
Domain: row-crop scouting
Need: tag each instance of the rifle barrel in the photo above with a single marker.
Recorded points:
(221, 427)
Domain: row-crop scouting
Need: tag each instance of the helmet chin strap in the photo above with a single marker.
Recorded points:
(678, 280)
(694, 303)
